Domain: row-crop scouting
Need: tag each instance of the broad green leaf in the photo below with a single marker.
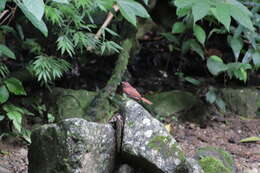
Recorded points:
(211, 96)
(4, 94)
(11, 108)
(181, 12)
(215, 65)
(248, 56)
(15, 86)
(200, 10)
(26, 134)
(130, 9)
(196, 47)
(6, 51)
(239, 5)
(108, 4)
(2, 117)
(236, 44)
(61, 1)
(2, 5)
(39, 24)
(241, 17)
(199, 33)
(146, 2)
(36, 7)
(221, 12)
(16, 118)
(178, 27)
(184, 3)
(251, 139)
(241, 74)
(256, 58)
(170, 37)
(192, 81)
(221, 104)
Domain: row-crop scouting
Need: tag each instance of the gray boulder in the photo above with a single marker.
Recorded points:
(147, 144)
(72, 146)
(242, 101)
(124, 168)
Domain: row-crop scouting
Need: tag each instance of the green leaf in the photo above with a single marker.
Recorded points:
(4, 94)
(251, 139)
(221, 104)
(192, 81)
(2, 117)
(184, 3)
(221, 12)
(2, 5)
(241, 17)
(216, 65)
(11, 108)
(146, 2)
(36, 7)
(61, 1)
(15, 86)
(256, 58)
(200, 10)
(248, 56)
(16, 118)
(239, 5)
(130, 9)
(199, 33)
(178, 28)
(236, 44)
(6, 51)
(211, 96)
(39, 24)
(181, 12)
(196, 47)
(26, 135)
(170, 37)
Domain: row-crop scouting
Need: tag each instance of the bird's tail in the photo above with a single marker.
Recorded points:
(146, 101)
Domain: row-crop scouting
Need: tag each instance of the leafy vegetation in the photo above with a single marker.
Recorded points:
(63, 31)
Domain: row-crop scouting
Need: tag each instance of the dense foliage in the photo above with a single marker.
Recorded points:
(78, 26)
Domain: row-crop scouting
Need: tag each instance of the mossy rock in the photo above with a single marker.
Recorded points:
(68, 103)
(173, 101)
(215, 160)
(242, 101)
(213, 165)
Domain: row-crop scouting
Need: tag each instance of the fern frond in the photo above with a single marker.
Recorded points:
(110, 46)
(83, 40)
(53, 15)
(85, 4)
(65, 45)
(48, 69)
(32, 46)
(3, 70)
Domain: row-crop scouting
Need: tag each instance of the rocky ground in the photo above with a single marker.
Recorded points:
(226, 134)
(219, 132)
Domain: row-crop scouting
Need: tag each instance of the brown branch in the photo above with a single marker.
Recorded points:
(107, 21)
(9, 15)
(104, 25)
(3, 14)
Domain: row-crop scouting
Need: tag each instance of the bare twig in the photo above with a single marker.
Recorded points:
(13, 13)
(3, 14)
(9, 15)
(104, 25)
(107, 21)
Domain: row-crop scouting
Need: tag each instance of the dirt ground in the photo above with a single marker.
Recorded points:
(224, 133)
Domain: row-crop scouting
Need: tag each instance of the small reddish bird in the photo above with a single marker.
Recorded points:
(133, 93)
